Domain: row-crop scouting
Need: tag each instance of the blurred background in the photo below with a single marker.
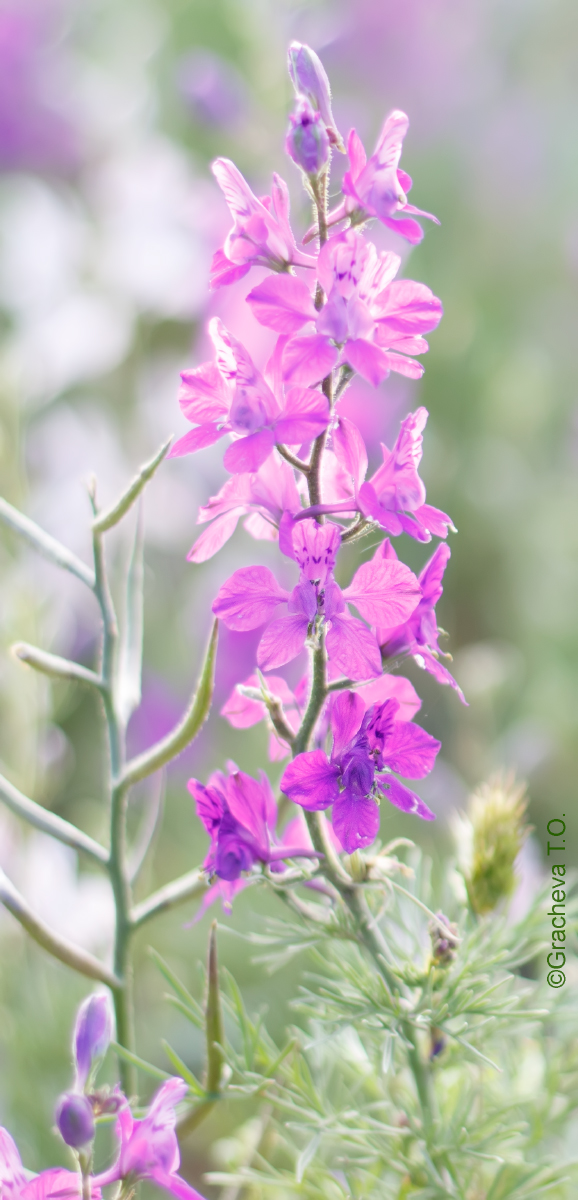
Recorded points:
(110, 113)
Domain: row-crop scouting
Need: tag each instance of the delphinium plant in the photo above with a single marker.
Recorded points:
(408, 1072)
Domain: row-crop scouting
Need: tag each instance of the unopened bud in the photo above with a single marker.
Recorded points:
(444, 940)
(75, 1119)
(496, 831)
(92, 1035)
(307, 141)
(309, 79)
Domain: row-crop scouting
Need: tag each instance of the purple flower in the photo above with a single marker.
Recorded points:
(263, 496)
(149, 1148)
(252, 596)
(307, 142)
(368, 321)
(394, 497)
(75, 1119)
(261, 233)
(53, 1184)
(377, 187)
(92, 1035)
(239, 814)
(231, 396)
(419, 635)
(367, 747)
(309, 79)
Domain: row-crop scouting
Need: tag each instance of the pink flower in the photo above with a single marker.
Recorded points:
(309, 78)
(239, 814)
(368, 321)
(262, 496)
(54, 1184)
(148, 1147)
(261, 233)
(367, 746)
(252, 597)
(419, 635)
(377, 187)
(231, 396)
(394, 497)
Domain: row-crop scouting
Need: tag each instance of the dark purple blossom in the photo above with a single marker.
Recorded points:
(369, 321)
(239, 814)
(418, 636)
(367, 746)
(317, 605)
(261, 233)
(231, 396)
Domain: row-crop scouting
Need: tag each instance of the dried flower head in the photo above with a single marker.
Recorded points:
(491, 837)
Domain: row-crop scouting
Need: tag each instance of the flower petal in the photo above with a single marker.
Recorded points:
(355, 821)
(204, 395)
(410, 750)
(212, 539)
(306, 415)
(403, 798)
(311, 780)
(350, 451)
(353, 648)
(282, 640)
(384, 591)
(368, 359)
(282, 303)
(249, 598)
(196, 439)
(309, 359)
(249, 453)
(346, 716)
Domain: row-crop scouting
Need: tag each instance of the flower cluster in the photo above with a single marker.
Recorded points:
(147, 1148)
(299, 474)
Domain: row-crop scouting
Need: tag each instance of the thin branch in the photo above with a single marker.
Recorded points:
(180, 737)
(72, 956)
(113, 515)
(46, 545)
(187, 887)
(55, 666)
(292, 459)
(49, 822)
(357, 530)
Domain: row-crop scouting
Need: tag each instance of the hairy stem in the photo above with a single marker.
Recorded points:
(316, 699)
(292, 459)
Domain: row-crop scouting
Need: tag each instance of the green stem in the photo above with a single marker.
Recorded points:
(118, 788)
(316, 699)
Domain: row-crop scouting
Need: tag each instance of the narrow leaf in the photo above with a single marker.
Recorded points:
(306, 1156)
(213, 1018)
(177, 986)
(135, 1061)
(182, 1069)
(46, 545)
(113, 515)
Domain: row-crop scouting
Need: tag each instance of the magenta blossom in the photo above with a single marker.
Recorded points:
(149, 1148)
(239, 814)
(377, 187)
(368, 321)
(261, 233)
(394, 497)
(261, 496)
(53, 1184)
(309, 78)
(307, 141)
(231, 396)
(419, 635)
(367, 746)
(252, 597)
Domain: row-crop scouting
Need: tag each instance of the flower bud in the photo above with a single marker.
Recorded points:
(75, 1119)
(444, 945)
(92, 1035)
(495, 832)
(307, 141)
(309, 79)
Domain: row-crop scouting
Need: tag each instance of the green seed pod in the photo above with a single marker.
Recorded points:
(495, 831)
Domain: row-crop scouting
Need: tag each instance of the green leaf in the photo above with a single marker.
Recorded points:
(187, 1004)
(113, 515)
(182, 1070)
(135, 1061)
(128, 683)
